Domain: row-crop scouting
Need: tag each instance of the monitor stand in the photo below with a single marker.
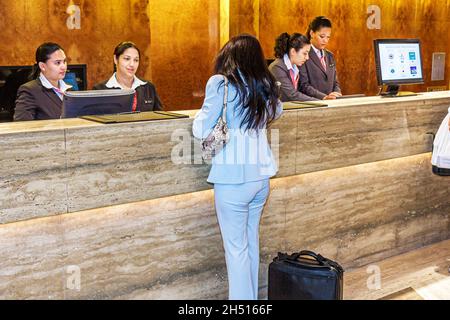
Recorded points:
(392, 92)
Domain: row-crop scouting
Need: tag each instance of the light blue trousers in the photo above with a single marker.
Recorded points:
(239, 208)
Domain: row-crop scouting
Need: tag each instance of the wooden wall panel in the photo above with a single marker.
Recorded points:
(26, 24)
(185, 41)
(432, 24)
(179, 40)
(352, 41)
(354, 60)
(179, 62)
(280, 16)
(244, 17)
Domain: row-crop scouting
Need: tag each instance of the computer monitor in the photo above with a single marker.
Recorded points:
(76, 76)
(398, 62)
(97, 102)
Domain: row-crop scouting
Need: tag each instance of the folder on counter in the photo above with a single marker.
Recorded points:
(302, 104)
(135, 116)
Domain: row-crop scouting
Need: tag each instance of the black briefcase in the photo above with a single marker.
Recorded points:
(304, 276)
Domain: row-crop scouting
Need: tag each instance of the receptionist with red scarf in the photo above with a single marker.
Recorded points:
(126, 61)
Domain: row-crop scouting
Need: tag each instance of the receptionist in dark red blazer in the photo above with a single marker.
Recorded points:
(126, 63)
(41, 98)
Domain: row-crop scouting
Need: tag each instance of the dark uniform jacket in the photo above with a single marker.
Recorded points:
(314, 80)
(287, 89)
(147, 98)
(35, 102)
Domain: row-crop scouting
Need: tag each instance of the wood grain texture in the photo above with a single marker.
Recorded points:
(178, 63)
(185, 41)
(243, 17)
(179, 40)
(352, 42)
(104, 24)
(280, 16)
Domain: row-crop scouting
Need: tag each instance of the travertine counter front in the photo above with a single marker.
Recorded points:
(109, 201)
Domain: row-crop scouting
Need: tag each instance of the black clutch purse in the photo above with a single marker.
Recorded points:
(304, 276)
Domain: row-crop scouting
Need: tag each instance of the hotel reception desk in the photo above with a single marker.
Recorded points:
(123, 211)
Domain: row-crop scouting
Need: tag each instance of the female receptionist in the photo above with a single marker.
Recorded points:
(318, 76)
(291, 51)
(126, 63)
(41, 98)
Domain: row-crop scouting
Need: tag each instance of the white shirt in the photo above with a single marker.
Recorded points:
(113, 83)
(63, 87)
(318, 52)
(289, 65)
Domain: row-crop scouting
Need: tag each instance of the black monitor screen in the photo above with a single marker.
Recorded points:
(96, 102)
(398, 61)
(76, 76)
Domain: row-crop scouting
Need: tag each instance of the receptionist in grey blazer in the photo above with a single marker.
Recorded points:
(318, 77)
(291, 51)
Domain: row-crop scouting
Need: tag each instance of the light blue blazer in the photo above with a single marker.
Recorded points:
(247, 156)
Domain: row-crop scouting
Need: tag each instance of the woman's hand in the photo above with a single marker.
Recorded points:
(336, 94)
(332, 95)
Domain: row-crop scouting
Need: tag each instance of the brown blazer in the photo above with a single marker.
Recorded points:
(35, 102)
(287, 90)
(314, 80)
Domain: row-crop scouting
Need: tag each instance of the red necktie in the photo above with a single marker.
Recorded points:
(322, 60)
(294, 78)
(134, 102)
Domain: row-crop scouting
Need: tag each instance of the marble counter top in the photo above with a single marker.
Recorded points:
(48, 125)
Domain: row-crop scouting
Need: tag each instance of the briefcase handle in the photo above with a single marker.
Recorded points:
(294, 256)
(318, 257)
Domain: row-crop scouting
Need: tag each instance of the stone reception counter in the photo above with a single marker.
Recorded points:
(123, 211)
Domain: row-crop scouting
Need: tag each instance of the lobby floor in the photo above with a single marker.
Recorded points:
(421, 274)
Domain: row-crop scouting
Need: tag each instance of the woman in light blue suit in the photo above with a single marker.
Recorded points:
(240, 172)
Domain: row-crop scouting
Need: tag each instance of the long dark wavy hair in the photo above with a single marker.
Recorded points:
(242, 61)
